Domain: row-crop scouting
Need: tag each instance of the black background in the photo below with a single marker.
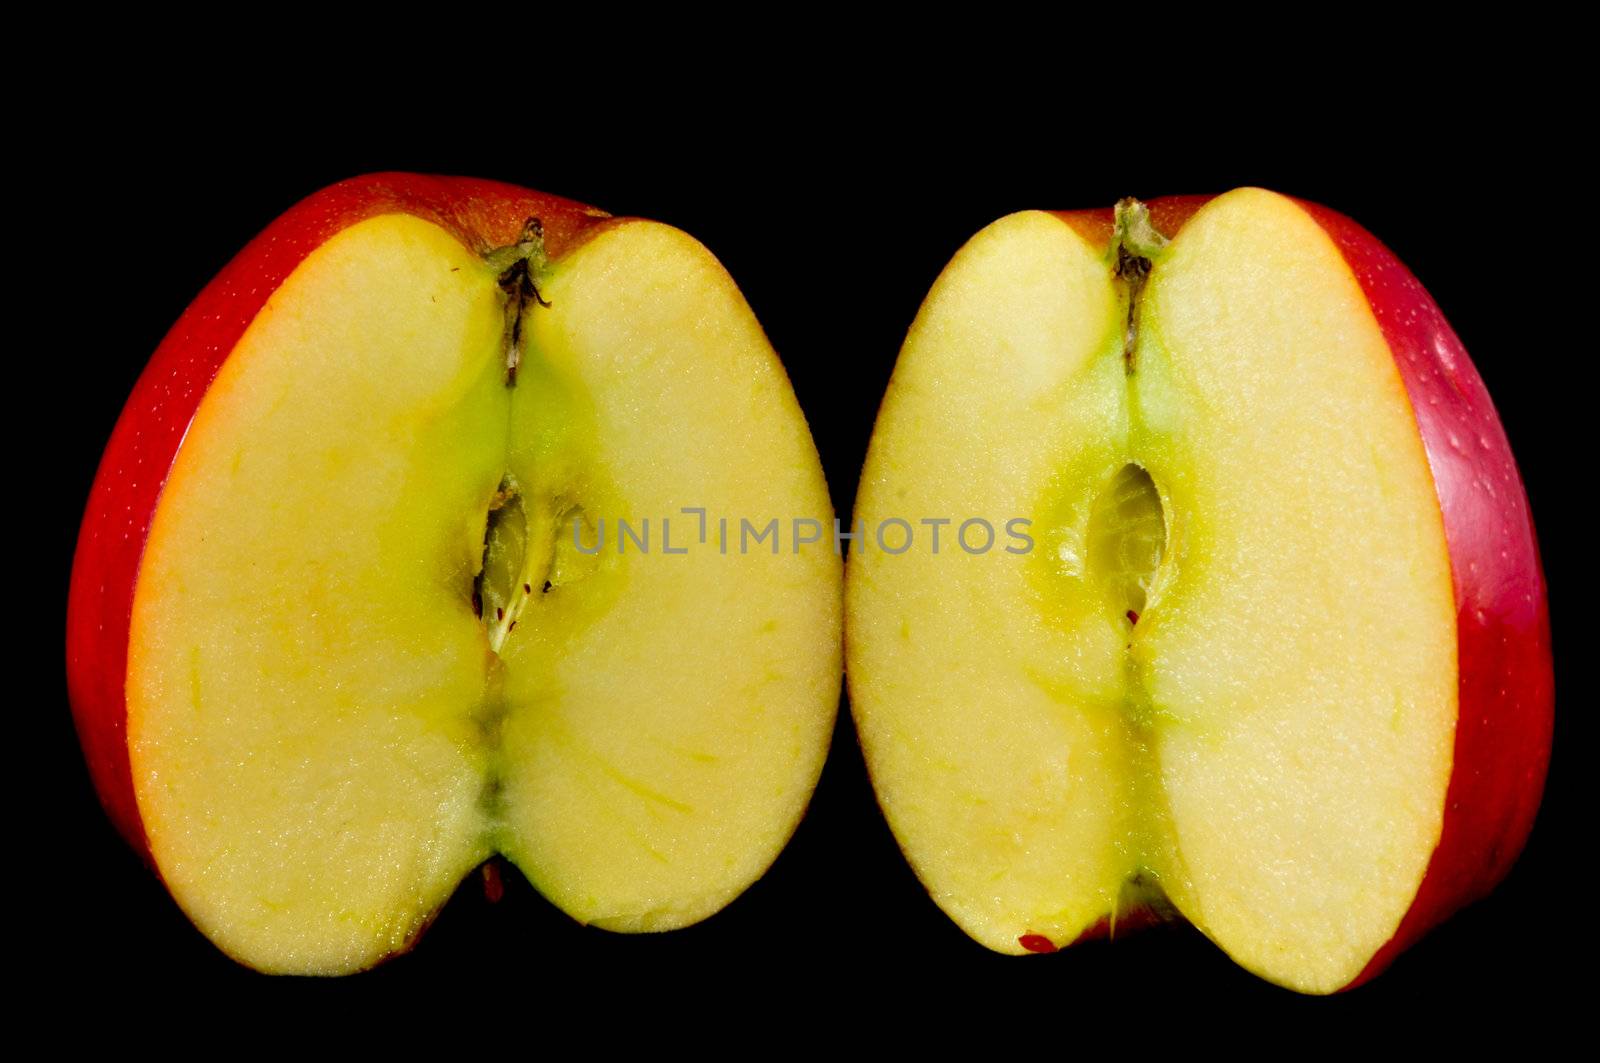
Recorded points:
(834, 215)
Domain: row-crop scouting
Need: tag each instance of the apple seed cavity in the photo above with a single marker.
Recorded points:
(1128, 538)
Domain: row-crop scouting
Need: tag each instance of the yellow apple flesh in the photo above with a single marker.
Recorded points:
(1226, 670)
(325, 737)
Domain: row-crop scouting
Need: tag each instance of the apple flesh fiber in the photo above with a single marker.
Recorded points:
(332, 642)
(1279, 657)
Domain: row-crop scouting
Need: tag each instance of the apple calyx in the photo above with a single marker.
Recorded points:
(1136, 244)
(1140, 902)
(519, 265)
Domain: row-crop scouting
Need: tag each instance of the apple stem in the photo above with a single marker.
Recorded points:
(1135, 232)
(1137, 244)
(519, 266)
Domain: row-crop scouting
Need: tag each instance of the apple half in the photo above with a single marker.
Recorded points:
(1269, 644)
(350, 612)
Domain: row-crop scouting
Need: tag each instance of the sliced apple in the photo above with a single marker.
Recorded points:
(1225, 676)
(381, 628)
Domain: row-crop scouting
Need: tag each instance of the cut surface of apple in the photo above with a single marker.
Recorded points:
(382, 628)
(1224, 677)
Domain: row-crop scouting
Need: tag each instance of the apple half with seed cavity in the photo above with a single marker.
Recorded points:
(1270, 650)
(349, 614)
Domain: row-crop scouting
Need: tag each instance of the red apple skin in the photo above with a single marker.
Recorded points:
(145, 441)
(1507, 685)
(1506, 700)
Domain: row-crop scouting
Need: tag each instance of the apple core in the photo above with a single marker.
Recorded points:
(1127, 537)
